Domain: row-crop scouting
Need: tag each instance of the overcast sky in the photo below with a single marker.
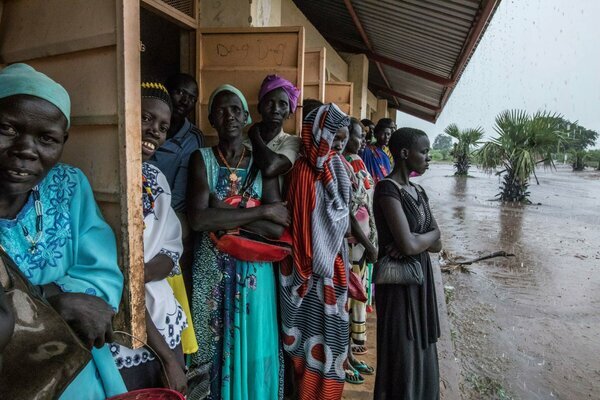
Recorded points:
(535, 55)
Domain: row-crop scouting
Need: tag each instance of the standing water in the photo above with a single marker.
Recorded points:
(528, 326)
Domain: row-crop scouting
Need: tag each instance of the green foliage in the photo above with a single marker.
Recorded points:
(579, 139)
(438, 155)
(463, 149)
(442, 142)
(441, 147)
(592, 159)
(523, 141)
(488, 387)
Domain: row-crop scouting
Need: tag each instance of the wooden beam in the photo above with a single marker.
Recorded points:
(171, 13)
(365, 38)
(375, 57)
(130, 161)
(378, 88)
(418, 114)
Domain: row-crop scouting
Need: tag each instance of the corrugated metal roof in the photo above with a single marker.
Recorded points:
(418, 49)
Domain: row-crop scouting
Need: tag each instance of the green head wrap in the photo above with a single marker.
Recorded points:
(23, 79)
(234, 90)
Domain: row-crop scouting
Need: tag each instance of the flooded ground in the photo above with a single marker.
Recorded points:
(526, 327)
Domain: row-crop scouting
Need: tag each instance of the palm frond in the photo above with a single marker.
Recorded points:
(491, 155)
(452, 130)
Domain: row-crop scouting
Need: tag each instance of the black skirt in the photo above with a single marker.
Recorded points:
(407, 332)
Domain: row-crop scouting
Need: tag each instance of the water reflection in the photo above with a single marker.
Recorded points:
(459, 193)
(511, 225)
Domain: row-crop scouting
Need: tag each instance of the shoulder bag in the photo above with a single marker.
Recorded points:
(406, 270)
(44, 355)
(244, 244)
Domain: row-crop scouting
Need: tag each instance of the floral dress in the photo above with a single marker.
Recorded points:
(77, 252)
(234, 307)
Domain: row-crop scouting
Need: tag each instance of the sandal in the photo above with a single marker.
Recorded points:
(359, 349)
(362, 367)
(354, 377)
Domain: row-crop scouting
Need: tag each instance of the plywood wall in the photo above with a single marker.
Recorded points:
(243, 57)
(92, 49)
(314, 74)
(340, 93)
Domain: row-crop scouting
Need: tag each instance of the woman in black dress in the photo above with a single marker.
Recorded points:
(407, 316)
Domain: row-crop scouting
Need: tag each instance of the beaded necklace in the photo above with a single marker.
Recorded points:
(233, 178)
(39, 222)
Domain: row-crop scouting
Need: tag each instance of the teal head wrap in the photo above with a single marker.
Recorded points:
(234, 90)
(23, 79)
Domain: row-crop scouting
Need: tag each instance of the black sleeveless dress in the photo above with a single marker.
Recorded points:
(407, 316)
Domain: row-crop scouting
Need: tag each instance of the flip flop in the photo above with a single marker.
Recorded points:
(359, 349)
(362, 367)
(354, 377)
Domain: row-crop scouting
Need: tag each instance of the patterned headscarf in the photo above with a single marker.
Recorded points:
(23, 79)
(272, 82)
(318, 132)
(320, 193)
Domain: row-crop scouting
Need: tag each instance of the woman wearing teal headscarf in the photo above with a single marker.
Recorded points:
(234, 302)
(51, 226)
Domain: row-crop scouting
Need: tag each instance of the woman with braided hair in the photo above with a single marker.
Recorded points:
(165, 317)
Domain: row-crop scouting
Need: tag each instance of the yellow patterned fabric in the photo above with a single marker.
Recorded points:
(188, 337)
(386, 150)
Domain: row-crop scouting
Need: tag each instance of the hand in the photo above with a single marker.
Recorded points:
(176, 375)
(254, 131)
(90, 317)
(278, 213)
(371, 254)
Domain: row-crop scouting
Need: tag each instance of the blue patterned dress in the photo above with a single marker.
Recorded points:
(234, 309)
(78, 253)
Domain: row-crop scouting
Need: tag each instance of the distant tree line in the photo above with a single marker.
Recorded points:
(522, 142)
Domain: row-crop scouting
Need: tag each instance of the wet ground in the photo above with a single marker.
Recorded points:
(526, 327)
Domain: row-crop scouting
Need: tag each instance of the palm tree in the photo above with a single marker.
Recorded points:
(523, 142)
(463, 149)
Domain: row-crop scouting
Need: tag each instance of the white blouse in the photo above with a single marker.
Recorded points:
(162, 235)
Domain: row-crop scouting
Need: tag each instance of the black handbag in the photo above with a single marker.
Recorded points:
(404, 271)
(43, 355)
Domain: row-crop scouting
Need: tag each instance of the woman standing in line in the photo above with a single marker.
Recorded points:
(363, 247)
(313, 283)
(165, 317)
(407, 316)
(51, 226)
(377, 160)
(234, 303)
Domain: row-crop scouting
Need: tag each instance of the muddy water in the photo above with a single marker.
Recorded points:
(526, 327)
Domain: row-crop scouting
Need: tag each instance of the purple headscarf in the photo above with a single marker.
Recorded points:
(273, 82)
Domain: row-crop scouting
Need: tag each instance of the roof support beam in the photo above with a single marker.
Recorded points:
(474, 36)
(378, 58)
(401, 96)
(418, 114)
(366, 41)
